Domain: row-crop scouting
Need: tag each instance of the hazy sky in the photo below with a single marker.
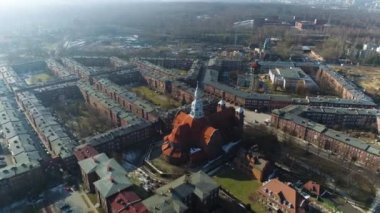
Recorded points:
(29, 3)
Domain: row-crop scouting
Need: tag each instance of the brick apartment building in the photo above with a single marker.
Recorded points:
(26, 158)
(344, 88)
(106, 106)
(119, 138)
(299, 121)
(268, 102)
(51, 133)
(128, 100)
(167, 81)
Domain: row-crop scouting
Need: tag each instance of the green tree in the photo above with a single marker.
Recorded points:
(332, 49)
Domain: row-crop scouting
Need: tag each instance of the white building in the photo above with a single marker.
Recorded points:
(287, 78)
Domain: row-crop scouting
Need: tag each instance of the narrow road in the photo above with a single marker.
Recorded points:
(375, 207)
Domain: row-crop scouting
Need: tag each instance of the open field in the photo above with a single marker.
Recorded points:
(39, 78)
(162, 101)
(80, 118)
(366, 77)
(239, 185)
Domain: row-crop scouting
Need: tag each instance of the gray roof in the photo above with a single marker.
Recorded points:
(171, 197)
(295, 113)
(105, 137)
(17, 169)
(89, 165)
(62, 145)
(112, 176)
(17, 133)
(162, 203)
(199, 183)
(115, 107)
(112, 183)
(342, 137)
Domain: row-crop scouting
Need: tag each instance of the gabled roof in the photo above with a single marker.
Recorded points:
(288, 195)
(127, 202)
(112, 183)
(198, 183)
(112, 176)
(163, 203)
(90, 164)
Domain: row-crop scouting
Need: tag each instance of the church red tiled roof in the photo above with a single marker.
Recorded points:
(207, 134)
(196, 131)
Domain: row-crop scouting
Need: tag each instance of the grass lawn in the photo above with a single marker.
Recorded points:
(167, 168)
(327, 203)
(92, 197)
(163, 101)
(85, 200)
(39, 78)
(83, 120)
(180, 72)
(240, 185)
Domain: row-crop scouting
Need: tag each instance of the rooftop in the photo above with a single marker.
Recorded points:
(112, 176)
(127, 202)
(84, 151)
(171, 197)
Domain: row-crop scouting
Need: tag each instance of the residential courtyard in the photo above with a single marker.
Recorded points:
(80, 118)
(162, 101)
(239, 185)
(39, 78)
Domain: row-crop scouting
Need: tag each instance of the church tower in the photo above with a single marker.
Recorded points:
(239, 113)
(221, 105)
(197, 105)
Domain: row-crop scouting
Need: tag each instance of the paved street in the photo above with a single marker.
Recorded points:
(252, 117)
(376, 203)
(77, 201)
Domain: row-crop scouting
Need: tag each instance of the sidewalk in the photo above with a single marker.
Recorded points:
(90, 206)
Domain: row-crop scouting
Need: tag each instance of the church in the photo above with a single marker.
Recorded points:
(196, 138)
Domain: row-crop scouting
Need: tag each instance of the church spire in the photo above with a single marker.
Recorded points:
(197, 105)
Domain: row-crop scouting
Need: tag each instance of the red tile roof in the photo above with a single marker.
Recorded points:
(189, 133)
(127, 202)
(85, 151)
(207, 134)
(277, 189)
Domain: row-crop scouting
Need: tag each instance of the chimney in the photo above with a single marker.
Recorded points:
(111, 179)
(95, 160)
